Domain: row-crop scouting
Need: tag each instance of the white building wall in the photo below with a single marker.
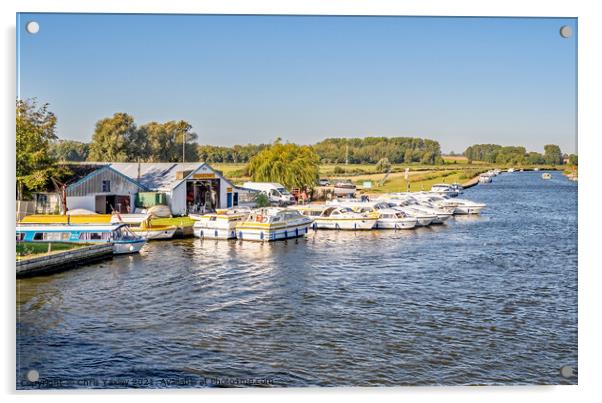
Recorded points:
(85, 202)
(223, 193)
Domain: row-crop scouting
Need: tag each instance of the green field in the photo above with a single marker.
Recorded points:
(26, 249)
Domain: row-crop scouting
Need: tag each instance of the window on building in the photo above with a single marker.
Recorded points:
(43, 201)
(106, 186)
(235, 201)
(20, 236)
(38, 236)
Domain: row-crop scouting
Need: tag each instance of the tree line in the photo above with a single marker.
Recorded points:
(118, 138)
(497, 154)
(370, 150)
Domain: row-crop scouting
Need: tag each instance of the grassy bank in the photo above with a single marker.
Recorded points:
(30, 249)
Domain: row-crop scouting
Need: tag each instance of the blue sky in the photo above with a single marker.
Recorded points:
(241, 79)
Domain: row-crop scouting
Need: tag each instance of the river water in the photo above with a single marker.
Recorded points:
(479, 300)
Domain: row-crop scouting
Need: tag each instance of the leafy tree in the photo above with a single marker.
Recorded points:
(164, 141)
(407, 155)
(573, 160)
(34, 134)
(552, 154)
(535, 158)
(69, 150)
(292, 165)
(428, 157)
(383, 165)
(118, 139)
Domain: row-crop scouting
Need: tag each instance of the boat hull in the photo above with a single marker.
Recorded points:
(127, 247)
(424, 221)
(406, 223)
(441, 218)
(346, 224)
(464, 210)
(215, 233)
(271, 234)
(156, 234)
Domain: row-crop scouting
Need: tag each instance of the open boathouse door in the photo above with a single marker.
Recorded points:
(202, 193)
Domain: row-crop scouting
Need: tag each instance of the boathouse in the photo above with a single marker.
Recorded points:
(104, 187)
(190, 187)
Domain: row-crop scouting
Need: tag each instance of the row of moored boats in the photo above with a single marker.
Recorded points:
(398, 211)
(129, 232)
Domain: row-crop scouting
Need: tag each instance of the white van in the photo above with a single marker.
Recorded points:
(277, 194)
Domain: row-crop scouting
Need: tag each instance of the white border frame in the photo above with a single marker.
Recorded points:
(590, 28)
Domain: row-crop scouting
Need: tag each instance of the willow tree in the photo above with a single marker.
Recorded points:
(289, 164)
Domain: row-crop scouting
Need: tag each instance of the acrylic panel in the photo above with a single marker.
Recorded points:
(295, 201)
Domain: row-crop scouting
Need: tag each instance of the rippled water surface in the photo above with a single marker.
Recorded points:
(479, 300)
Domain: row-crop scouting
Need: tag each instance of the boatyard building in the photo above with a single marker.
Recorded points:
(193, 187)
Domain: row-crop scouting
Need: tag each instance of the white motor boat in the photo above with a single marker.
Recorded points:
(338, 217)
(155, 232)
(448, 190)
(485, 178)
(439, 215)
(387, 217)
(422, 219)
(390, 218)
(272, 224)
(219, 225)
(546, 175)
(460, 206)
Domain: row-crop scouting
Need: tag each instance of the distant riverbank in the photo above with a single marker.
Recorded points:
(421, 177)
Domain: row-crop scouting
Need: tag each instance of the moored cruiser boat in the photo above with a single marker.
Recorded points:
(448, 190)
(546, 175)
(338, 217)
(405, 200)
(460, 206)
(219, 225)
(272, 224)
(390, 218)
(387, 217)
(139, 223)
(422, 219)
(154, 232)
(124, 241)
(486, 178)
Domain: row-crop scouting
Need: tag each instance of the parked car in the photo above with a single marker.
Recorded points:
(323, 182)
(277, 193)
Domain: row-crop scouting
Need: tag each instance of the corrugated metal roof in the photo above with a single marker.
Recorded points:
(159, 176)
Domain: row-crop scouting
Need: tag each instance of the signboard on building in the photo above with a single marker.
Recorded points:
(209, 175)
